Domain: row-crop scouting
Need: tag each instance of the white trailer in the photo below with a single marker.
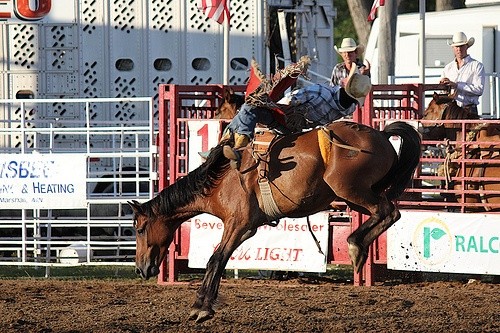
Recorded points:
(481, 22)
(82, 77)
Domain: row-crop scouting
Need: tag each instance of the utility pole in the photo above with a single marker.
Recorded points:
(387, 41)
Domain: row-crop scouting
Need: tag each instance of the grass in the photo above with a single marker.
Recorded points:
(69, 273)
(333, 273)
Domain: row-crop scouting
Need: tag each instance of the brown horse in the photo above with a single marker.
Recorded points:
(486, 147)
(443, 107)
(230, 105)
(306, 172)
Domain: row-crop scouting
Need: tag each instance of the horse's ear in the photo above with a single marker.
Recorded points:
(136, 206)
(435, 96)
(228, 92)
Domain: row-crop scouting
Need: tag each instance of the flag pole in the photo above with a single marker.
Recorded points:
(422, 41)
(225, 76)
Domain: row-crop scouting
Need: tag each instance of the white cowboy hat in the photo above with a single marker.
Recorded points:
(349, 45)
(459, 38)
(358, 85)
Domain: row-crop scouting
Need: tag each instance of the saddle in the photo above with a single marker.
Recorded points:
(263, 137)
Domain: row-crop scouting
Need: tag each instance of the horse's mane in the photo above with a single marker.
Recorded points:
(442, 98)
(453, 111)
(199, 182)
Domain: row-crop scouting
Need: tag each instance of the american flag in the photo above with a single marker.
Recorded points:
(216, 9)
(373, 11)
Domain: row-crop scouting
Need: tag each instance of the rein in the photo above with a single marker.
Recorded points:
(331, 135)
(443, 114)
(451, 153)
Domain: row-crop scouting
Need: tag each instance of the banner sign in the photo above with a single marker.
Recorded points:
(46, 11)
(42, 181)
(203, 135)
(288, 247)
(445, 242)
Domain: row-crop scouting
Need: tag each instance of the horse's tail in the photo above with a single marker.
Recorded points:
(408, 157)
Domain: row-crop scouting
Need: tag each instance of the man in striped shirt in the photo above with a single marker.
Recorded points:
(350, 53)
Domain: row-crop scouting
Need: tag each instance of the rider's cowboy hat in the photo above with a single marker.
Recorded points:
(349, 45)
(459, 38)
(358, 85)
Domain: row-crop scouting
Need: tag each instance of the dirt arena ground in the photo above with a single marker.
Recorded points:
(47, 306)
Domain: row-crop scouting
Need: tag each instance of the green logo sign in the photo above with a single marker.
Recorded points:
(436, 234)
(432, 242)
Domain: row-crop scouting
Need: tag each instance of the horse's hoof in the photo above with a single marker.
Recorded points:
(358, 256)
(204, 315)
(194, 314)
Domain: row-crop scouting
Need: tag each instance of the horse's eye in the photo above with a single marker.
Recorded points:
(140, 231)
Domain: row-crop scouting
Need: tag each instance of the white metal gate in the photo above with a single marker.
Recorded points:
(120, 163)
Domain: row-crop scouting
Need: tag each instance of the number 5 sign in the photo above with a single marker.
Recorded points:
(203, 135)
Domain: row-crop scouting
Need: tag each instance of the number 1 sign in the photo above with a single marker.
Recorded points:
(203, 135)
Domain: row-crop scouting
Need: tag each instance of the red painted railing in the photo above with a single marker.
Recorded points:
(178, 104)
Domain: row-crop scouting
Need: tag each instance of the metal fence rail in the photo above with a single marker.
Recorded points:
(120, 166)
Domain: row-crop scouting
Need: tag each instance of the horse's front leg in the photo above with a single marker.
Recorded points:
(206, 295)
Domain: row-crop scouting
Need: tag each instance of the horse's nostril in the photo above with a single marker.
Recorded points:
(154, 270)
(138, 271)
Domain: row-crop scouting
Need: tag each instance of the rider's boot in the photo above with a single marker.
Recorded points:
(233, 153)
(226, 135)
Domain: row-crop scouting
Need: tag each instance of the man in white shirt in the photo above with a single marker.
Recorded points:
(464, 75)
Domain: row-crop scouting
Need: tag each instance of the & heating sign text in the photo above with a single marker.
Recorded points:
(42, 181)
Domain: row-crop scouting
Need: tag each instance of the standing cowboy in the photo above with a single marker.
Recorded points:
(351, 54)
(464, 75)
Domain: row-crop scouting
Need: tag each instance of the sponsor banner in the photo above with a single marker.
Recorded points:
(40, 11)
(445, 242)
(203, 135)
(38, 181)
(289, 246)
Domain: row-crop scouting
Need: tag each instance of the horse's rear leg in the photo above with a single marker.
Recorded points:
(385, 215)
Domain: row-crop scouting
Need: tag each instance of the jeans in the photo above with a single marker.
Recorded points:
(248, 117)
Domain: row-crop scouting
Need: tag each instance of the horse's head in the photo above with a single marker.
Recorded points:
(441, 107)
(437, 106)
(152, 240)
(444, 107)
(434, 111)
(230, 106)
